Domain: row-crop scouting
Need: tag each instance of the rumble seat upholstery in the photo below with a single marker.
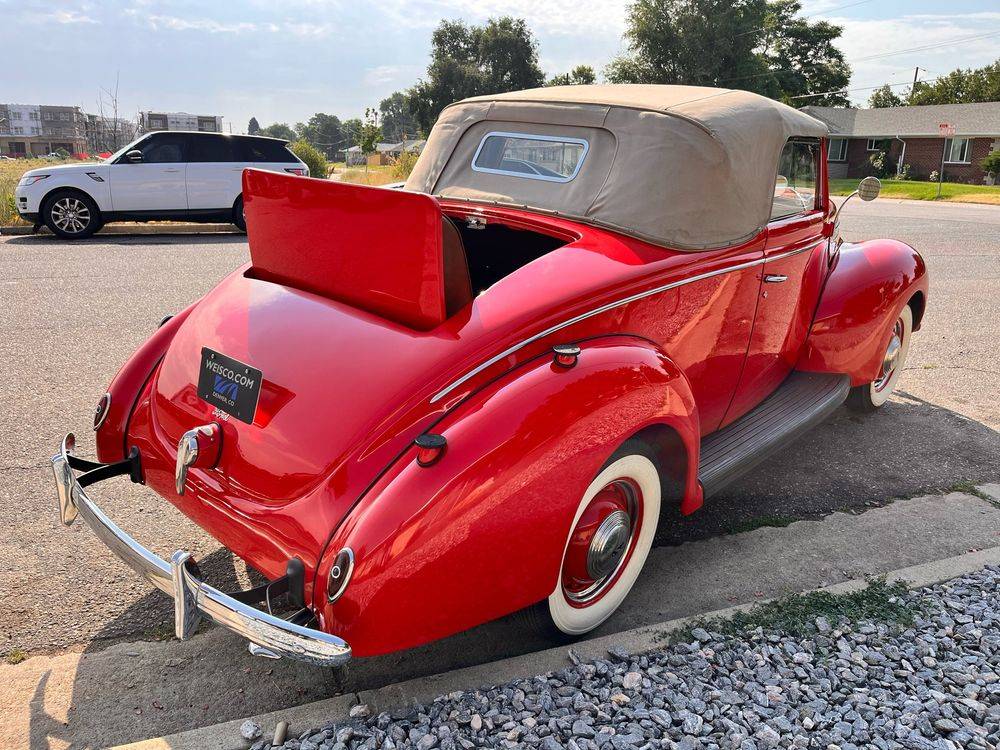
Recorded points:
(457, 283)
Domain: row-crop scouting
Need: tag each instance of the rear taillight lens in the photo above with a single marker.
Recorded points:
(340, 574)
(300, 171)
(101, 412)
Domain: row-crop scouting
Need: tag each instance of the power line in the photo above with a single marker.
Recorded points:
(945, 43)
(811, 15)
(860, 88)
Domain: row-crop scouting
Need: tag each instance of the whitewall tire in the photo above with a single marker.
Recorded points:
(608, 543)
(870, 396)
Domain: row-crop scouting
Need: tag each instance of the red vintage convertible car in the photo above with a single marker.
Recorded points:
(418, 410)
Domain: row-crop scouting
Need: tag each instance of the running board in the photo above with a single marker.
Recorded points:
(804, 400)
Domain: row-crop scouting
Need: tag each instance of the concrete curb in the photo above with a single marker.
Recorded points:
(226, 736)
(118, 229)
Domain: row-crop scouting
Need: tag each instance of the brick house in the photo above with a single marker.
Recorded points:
(912, 136)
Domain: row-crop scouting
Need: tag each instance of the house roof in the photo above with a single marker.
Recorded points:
(968, 119)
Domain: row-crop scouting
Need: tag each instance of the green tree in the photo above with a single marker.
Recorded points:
(323, 131)
(313, 159)
(884, 96)
(802, 57)
(755, 45)
(501, 55)
(370, 134)
(279, 130)
(398, 122)
(960, 87)
(253, 128)
(581, 75)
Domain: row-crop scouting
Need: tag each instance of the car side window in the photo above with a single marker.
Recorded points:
(211, 148)
(795, 183)
(262, 150)
(165, 148)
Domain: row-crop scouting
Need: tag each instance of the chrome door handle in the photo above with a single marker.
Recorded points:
(775, 278)
(171, 170)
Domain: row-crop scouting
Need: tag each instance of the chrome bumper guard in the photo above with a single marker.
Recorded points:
(269, 636)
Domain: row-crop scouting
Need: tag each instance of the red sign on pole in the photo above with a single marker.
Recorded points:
(946, 130)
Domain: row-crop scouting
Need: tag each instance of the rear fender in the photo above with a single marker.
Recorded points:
(867, 286)
(127, 386)
(480, 533)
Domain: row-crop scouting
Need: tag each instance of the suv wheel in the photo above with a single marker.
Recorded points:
(71, 215)
(239, 217)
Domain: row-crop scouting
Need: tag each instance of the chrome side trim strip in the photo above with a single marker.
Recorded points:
(602, 309)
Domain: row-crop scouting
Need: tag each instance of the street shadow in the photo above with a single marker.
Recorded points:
(850, 462)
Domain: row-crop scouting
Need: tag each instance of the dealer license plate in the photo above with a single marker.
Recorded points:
(229, 384)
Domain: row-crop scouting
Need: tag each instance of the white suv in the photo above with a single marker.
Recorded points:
(161, 176)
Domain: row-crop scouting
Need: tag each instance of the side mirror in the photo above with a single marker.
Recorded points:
(869, 188)
(134, 156)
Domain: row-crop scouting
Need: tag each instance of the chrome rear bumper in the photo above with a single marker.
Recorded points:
(193, 599)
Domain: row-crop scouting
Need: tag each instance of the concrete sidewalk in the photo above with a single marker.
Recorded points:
(128, 692)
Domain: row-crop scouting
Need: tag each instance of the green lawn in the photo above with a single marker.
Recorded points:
(925, 191)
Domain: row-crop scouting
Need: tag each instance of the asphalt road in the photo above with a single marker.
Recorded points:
(71, 313)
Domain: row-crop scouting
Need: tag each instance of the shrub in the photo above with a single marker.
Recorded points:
(933, 176)
(991, 164)
(313, 159)
(879, 165)
(404, 165)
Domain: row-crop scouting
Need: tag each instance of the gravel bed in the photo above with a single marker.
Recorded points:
(846, 686)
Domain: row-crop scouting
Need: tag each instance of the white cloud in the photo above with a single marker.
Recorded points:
(874, 38)
(384, 74)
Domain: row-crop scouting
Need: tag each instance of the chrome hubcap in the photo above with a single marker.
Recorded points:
(891, 358)
(601, 542)
(609, 544)
(70, 215)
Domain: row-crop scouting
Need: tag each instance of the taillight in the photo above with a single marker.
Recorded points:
(101, 412)
(300, 171)
(340, 574)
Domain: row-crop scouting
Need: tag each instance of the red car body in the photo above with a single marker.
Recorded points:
(674, 345)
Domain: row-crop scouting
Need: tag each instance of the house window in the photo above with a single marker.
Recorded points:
(47, 116)
(836, 149)
(33, 115)
(18, 130)
(15, 115)
(878, 144)
(956, 150)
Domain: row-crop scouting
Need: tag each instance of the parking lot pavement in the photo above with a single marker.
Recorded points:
(71, 314)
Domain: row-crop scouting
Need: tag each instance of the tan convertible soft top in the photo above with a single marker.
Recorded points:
(681, 166)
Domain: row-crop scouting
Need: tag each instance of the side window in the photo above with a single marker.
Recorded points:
(211, 148)
(262, 150)
(165, 148)
(795, 184)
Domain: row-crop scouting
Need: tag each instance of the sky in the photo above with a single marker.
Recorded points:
(282, 60)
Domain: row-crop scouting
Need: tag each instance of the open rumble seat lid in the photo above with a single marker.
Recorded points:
(375, 249)
(685, 167)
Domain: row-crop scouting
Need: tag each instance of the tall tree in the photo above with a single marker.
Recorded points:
(398, 122)
(884, 96)
(253, 128)
(323, 132)
(581, 75)
(693, 42)
(803, 58)
(757, 45)
(960, 87)
(501, 55)
(279, 130)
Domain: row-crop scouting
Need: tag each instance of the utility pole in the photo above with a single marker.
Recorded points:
(916, 75)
